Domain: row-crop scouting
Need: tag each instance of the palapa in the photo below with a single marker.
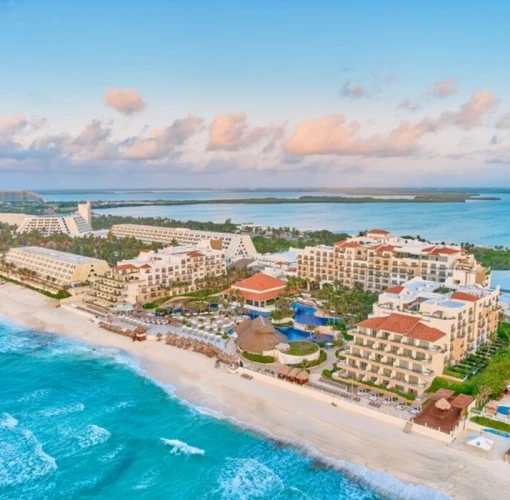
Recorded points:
(443, 405)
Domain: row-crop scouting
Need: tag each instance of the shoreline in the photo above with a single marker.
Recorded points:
(339, 437)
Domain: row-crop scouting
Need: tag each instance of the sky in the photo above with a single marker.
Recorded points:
(212, 94)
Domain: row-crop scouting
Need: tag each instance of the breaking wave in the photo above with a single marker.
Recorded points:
(181, 448)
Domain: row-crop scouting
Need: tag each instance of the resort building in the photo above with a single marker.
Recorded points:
(59, 268)
(398, 352)
(77, 224)
(258, 292)
(155, 274)
(233, 245)
(416, 330)
(467, 314)
(12, 219)
(19, 196)
(378, 261)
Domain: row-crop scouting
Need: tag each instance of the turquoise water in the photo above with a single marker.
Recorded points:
(79, 422)
(480, 222)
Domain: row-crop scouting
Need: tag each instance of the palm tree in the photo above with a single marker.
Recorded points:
(483, 395)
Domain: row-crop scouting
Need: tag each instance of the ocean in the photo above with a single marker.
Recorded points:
(480, 222)
(83, 422)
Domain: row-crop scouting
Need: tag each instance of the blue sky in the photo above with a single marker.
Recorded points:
(254, 93)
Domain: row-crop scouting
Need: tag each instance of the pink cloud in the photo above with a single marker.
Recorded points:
(444, 88)
(159, 143)
(333, 135)
(125, 101)
(232, 133)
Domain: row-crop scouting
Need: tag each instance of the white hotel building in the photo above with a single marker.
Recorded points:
(379, 261)
(234, 246)
(58, 268)
(77, 224)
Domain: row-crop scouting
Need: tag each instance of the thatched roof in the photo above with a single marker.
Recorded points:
(140, 330)
(302, 376)
(443, 405)
(258, 335)
(284, 370)
(293, 373)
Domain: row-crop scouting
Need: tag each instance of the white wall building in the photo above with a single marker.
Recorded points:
(234, 245)
(59, 268)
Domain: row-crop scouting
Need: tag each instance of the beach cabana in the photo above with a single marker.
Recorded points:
(140, 333)
(283, 371)
(302, 377)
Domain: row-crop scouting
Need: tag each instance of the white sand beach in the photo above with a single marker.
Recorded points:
(332, 431)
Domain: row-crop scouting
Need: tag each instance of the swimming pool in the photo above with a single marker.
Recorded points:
(503, 410)
(305, 315)
(498, 433)
(295, 334)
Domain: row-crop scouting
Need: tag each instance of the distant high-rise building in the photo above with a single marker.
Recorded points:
(17, 196)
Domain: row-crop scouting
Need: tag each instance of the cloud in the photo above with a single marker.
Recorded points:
(444, 88)
(503, 121)
(333, 135)
(353, 91)
(408, 105)
(159, 143)
(232, 133)
(125, 101)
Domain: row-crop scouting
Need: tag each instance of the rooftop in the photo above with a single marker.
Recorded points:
(260, 283)
(409, 326)
(70, 258)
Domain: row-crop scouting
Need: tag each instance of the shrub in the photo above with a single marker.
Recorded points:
(61, 294)
(258, 358)
(493, 424)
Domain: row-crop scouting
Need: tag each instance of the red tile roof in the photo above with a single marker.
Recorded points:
(465, 297)
(194, 254)
(347, 244)
(124, 267)
(259, 297)
(404, 325)
(383, 248)
(396, 289)
(378, 231)
(441, 250)
(260, 283)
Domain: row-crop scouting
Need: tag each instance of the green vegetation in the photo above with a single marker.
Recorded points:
(111, 249)
(351, 304)
(504, 331)
(156, 303)
(496, 374)
(283, 325)
(61, 294)
(493, 424)
(495, 258)
(302, 348)
(469, 387)
(258, 358)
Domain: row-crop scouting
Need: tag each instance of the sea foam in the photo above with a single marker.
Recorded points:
(182, 448)
(93, 436)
